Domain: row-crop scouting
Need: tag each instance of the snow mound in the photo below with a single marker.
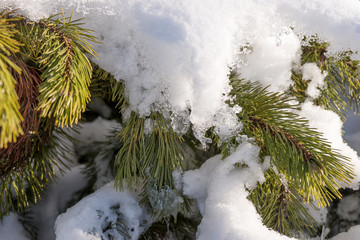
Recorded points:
(221, 189)
(102, 215)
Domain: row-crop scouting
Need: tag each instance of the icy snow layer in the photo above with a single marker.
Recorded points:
(176, 54)
(11, 228)
(98, 215)
(220, 190)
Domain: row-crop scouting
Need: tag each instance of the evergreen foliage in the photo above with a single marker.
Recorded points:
(46, 81)
(44, 78)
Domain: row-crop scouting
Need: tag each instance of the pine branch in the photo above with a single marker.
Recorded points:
(309, 166)
(342, 81)
(181, 228)
(280, 209)
(156, 151)
(24, 184)
(27, 90)
(58, 46)
(150, 154)
(10, 117)
(297, 151)
(105, 86)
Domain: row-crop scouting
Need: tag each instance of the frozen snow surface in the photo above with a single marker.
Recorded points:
(175, 55)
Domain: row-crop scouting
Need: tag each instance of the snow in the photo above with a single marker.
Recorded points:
(174, 56)
(98, 130)
(348, 208)
(220, 189)
(57, 195)
(330, 125)
(312, 72)
(352, 234)
(54, 202)
(11, 228)
(272, 59)
(89, 217)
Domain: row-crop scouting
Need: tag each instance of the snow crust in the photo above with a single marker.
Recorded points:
(220, 189)
(106, 207)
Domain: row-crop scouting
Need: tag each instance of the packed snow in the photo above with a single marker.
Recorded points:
(175, 56)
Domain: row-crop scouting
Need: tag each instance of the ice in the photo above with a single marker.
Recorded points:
(100, 216)
(11, 228)
(166, 200)
(221, 191)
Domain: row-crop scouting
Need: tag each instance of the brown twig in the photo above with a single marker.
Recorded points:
(16, 154)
